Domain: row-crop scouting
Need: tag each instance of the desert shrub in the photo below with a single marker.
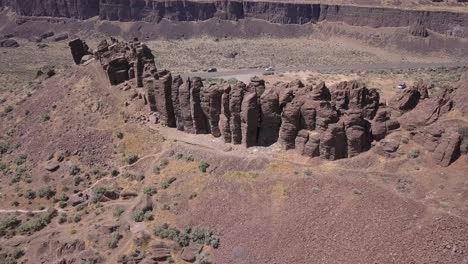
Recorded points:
(119, 134)
(62, 218)
(21, 159)
(3, 166)
(463, 131)
(413, 154)
(37, 223)
(165, 184)
(148, 216)
(18, 253)
(138, 216)
(166, 207)
(8, 109)
(8, 223)
(118, 211)
(115, 238)
(133, 177)
(62, 204)
(74, 170)
(131, 158)
(150, 190)
(81, 206)
(46, 192)
(10, 260)
(46, 117)
(307, 172)
(203, 166)
(77, 218)
(115, 173)
(198, 235)
(30, 194)
(4, 147)
(268, 73)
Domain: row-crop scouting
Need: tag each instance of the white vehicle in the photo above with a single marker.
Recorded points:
(269, 69)
(402, 85)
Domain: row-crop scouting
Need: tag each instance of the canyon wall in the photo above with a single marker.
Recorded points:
(450, 23)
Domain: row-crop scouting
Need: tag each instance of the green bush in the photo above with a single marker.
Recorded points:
(37, 223)
(198, 235)
(165, 184)
(119, 134)
(131, 158)
(115, 238)
(463, 131)
(21, 159)
(203, 166)
(62, 204)
(8, 223)
(46, 192)
(74, 170)
(119, 211)
(413, 154)
(138, 216)
(4, 147)
(30, 194)
(62, 218)
(150, 190)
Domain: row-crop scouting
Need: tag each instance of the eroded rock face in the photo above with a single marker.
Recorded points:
(442, 139)
(340, 122)
(211, 106)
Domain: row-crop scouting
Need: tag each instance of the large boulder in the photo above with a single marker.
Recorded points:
(405, 100)
(78, 50)
(9, 43)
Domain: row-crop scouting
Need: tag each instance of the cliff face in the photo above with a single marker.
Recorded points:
(276, 12)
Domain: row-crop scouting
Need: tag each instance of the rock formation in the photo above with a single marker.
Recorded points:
(332, 123)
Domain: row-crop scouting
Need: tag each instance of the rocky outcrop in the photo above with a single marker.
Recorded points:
(383, 124)
(451, 23)
(211, 106)
(429, 111)
(418, 29)
(442, 140)
(336, 123)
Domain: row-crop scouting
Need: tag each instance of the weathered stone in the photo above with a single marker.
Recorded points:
(312, 146)
(301, 140)
(270, 118)
(176, 83)
(185, 109)
(52, 165)
(9, 43)
(357, 132)
(333, 143)
(290, 124)
(191, 252)
(163, 96)
(236, 96)
(200, 122)
(249, 118)
(405, 100)
(225, 117)
(211, 106)
(448, 149)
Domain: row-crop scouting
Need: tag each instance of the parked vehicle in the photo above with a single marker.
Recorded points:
(212, 70)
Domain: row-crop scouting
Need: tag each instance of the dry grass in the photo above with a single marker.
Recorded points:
(202, 53)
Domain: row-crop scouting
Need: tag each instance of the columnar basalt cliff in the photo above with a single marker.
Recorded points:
(451, 23)
(333, 123)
